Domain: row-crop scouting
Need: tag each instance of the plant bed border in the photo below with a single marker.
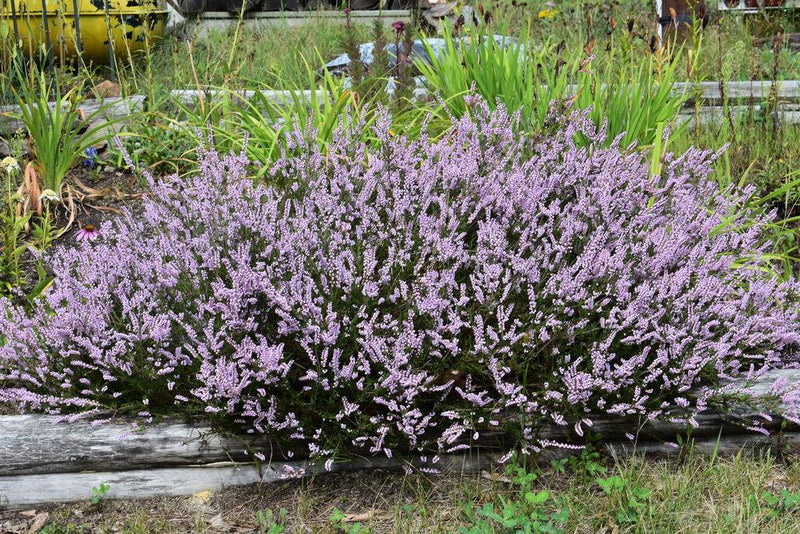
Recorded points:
(43, 462)
(742, 96)
(210, 21)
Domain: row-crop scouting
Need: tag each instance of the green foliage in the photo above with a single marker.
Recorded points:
(759, 156)
(157, 144)
(525, 510)
(339, 521)
(785, 502)
(12, 226)
(69, 528)
(501, 71)
(586, 464)
(100, 491)
(266, 117)
(629, 500)
(261, 59)
(636, 100)
(59, 131)
(271, 523)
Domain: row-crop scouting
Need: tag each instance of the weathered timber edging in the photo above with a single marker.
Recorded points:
(786, 113)
(742, 96)
(708, 93)
(711, 111)
(32, 490)
(97, 111)
(41, 461)
(738, 91)
(211, 21)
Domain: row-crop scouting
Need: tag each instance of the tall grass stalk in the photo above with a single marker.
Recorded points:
(638, 100)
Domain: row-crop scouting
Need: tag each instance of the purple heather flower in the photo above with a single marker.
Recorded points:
(406, 292)
(399, 26)
(87, 233)
(90, 157)
(472, 99)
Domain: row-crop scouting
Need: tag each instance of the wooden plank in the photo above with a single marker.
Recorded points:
(740, 7)
(34, 444)
(755, 91)
(777, 445)
(111, 107)
(212, 22)
(33, 490)
(752, 92)
(47, 462)
(788, 91)
(709, 115)
(190, 97)
(25, 491)
(763, 384)
(785, 113)
(96, 110)
(736, 93)
(389, 15)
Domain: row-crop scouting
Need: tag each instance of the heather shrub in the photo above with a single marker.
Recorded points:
(411, 294)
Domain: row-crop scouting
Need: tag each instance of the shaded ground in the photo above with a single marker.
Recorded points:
(98, 194)
(742, 494)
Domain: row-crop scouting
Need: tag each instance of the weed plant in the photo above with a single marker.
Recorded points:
(12, 223)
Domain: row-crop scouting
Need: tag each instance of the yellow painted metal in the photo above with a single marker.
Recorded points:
(134, 26)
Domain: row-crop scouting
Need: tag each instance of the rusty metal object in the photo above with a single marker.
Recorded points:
(675, 17)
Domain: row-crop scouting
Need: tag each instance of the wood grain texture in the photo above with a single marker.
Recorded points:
(96, 111)
(33, 490)
(23, 491)
(709, 93)
(210, 22)
(35, 444)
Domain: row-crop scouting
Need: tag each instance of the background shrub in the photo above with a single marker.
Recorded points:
(410, 296)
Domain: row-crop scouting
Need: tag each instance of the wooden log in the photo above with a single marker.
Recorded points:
(777, 445)
(34, 444)
(787, 91)
(216, 21)
(96, 111)
(33, 490)
(707, 92)
(735, 92)
(23, 491)
(190, 97)
(788, 95)
(41, 461)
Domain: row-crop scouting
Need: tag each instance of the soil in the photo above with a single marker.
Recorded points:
(374, 498)
(100, 194)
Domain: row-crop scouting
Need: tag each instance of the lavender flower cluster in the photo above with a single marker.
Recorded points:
(411, 296)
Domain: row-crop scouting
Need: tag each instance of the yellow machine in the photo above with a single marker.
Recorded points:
(133, 26)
